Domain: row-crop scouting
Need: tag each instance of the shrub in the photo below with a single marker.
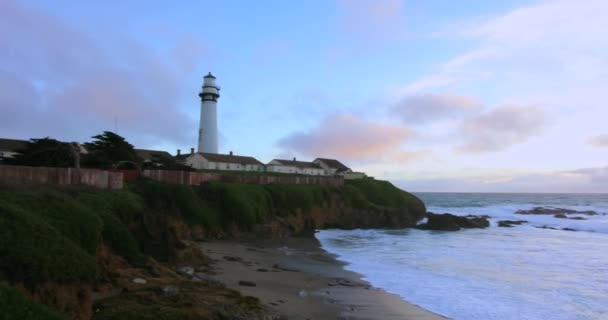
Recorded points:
(33, 249)
(70, 217)
(298, 196)
(245, 204)
(172, 198)
(14, 305)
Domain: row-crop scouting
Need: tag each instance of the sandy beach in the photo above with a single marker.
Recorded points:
(296, 279)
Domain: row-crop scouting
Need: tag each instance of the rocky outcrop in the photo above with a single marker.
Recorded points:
(510, 223)
(450, 222)
(557, 212)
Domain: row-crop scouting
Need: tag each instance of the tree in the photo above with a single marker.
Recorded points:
(45, 152)
(109, 149)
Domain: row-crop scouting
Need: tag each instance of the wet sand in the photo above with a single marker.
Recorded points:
(296, 278)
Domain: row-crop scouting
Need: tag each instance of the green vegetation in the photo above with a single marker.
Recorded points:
(243, 204)
(49, 234)
(16, 306)
(46, 152)
(381, 193)
(299, 196)
(32, 248)
(131, 310)
(107, 150)
(179, 200)
(53, 233)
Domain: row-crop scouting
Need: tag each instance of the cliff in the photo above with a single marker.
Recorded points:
(69, 248)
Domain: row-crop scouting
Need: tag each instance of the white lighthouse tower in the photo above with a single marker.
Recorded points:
(207, 132)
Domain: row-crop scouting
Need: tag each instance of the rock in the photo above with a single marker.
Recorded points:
(170, 290)
(577, 218)
(247, 283)
(229, 258)
(545, 227)
(510, 223)
(560, 216)
(450, 222)
(280, 267)
(139, 281)
(262, 270)
(207, 278)
(555, 211)
(568, 229)
(185, 271)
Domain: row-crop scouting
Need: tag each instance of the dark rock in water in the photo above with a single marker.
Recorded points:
(510, 223)
(555, 211)
(450, 222)
(560, 216)
(247, 283)
(545, 227)
(577, 218)
(568, 229)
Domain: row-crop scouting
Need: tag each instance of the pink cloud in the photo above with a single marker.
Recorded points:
(501, 128)
(422, 108)
(346, 136)
(600, 141)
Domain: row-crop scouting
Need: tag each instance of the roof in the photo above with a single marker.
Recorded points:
(12, 144)
(298, 164)
(229, 158)
(334, 164)
(150, 154)
(209, 75)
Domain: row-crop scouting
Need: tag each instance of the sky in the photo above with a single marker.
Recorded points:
(434, 95)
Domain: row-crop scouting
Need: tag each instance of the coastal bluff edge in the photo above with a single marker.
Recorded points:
(73, 252)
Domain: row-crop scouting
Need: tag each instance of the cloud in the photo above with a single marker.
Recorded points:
(550, 44)
(600, 141)
(422, 108)
(62, 82)
(584, 180)
(500, 128)
(346, 136)
(376, 21)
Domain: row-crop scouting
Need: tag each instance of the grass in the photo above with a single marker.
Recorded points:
(298, 196)
(382, 193)
(179, 200)
(14, 305)
(33, 250)
(243, 204)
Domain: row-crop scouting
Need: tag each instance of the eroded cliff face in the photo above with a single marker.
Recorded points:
(336, 215)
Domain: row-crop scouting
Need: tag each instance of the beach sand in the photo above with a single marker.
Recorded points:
(295, 278)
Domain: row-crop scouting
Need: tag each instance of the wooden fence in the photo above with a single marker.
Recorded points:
(196, 178)
(61, 176)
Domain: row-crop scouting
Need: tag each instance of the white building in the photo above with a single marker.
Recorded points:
(207, 132)
(294, 167)
(214, 161)
(332, 166)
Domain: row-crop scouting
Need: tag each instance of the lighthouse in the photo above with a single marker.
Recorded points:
(207, 131)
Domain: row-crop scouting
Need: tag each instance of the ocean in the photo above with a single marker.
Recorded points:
(523, 272)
